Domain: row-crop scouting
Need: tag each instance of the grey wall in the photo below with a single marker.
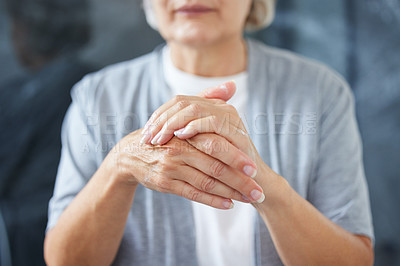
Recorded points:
(314, 28)
(9, 66)
(120, 32)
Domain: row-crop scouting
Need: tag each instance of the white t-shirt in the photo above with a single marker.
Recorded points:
(223, 237)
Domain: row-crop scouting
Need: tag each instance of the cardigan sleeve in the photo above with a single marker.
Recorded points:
(339, 189)
(78, 155)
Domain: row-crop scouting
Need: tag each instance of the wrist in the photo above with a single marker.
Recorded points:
(277, 190)
(117, 170)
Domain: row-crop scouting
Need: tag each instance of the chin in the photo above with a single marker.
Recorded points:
(196, 35)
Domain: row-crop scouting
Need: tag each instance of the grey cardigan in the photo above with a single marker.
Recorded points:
(300, 117)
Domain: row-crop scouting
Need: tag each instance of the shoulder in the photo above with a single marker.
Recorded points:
(278, 58)
(291, 65)
(113, 82)
(293, 74)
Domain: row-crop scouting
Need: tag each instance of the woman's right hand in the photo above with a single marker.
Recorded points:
(179, 168)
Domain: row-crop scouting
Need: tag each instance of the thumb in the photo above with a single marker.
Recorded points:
(224, 92)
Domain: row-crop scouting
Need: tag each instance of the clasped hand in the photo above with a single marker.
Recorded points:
(196, 147)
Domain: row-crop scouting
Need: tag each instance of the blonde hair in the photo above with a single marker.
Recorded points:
(261, 15)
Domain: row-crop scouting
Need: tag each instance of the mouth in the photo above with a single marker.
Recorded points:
(194, 10)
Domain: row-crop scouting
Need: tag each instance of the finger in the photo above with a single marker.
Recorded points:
(181, 119)
(151, 122)
(233, 132)
(224, 91)
(163, 119)
(189, 192)
(220, 148)
(231, 177)
(207, 184)
(158, 118)
(224, 113)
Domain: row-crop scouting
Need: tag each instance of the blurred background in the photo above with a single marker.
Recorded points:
(46, 46)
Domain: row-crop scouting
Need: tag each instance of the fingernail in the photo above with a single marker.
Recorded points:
(223, 87)
(257, 195)
(250, 171)
(179, 132)
(155, 139)
(228, 204)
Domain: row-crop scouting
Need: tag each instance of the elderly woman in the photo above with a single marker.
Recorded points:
(272, 177)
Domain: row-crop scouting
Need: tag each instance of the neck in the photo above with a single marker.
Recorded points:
(224, 58)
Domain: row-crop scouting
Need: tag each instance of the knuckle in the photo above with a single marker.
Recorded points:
(169, 125)
(154, 115)
(195, 109)
(235, 120)
(165, 166)
(209, 145)
(208, 184)
(236, 159)
(182, 104)
(192, 194)
(217, 168)
(162, 117)
(157, 124)
(173, 151)
(212, 201)
(178, 98)
(216, 123)
(163, 185)
(230, 108)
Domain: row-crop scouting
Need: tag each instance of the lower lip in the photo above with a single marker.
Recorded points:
(193, 12)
